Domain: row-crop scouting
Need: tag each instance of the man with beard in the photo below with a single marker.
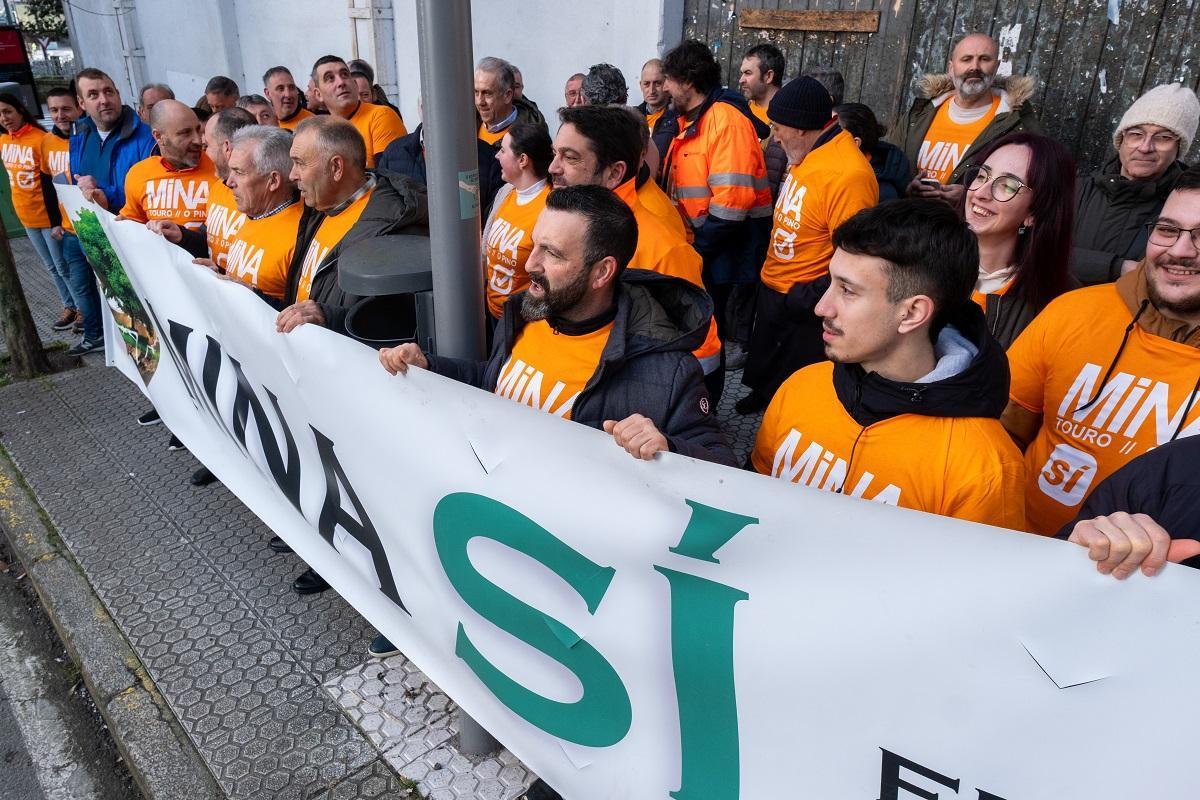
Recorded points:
(906, 410)
(1109, 372)
(594, 342)
(959, 112)
(280, 88)
(172, 186)
(378, 126)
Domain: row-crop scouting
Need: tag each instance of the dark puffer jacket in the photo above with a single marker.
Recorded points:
(1015, 114)
(1111, 213)
(647, 366)
(397, 205)
(406, 156)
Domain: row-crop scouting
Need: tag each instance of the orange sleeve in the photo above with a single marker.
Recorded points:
(851, 197)
(1027, 361)
(135, 186)
(387, 128)
(773, 420)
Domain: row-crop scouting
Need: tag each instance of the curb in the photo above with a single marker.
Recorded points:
(160, 757)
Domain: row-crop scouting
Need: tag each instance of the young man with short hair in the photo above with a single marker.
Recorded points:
(378, 125)
(906, 410)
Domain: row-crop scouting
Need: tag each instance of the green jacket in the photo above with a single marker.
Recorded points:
(1015, 114)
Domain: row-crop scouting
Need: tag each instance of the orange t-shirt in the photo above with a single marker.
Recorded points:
(379, 127)
(548, 370)
(655, 200)
(329, 233)
(22, 156)
(507, 248)
(492, 138)
(291, 122)
(962, 467)
(262, 251)
(946, 141)
(222, 221)
(56, 162)
(832, 184)
(660, 250)
(1058, 364)
(760, 112)
(154, 190)
(653, 117)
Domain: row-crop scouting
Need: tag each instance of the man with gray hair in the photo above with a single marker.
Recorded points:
(573, 91)
(150, 94)
(957, 113)
(260, 107)
(496, 104)
(346, 205)
(604, 85)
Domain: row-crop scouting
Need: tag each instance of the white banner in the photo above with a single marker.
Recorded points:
(670, 628)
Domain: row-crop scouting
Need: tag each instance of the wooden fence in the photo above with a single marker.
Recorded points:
(1091, 58)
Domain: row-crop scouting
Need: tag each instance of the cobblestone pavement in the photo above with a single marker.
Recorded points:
(275, 690)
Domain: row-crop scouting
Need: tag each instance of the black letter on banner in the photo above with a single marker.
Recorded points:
(890, 783)
(176, 345)
(332, 516)
(286, 478)
(988, 795)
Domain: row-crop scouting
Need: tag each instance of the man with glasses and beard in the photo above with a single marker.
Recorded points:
(594, 342)
(957, 113)
(1109, 372)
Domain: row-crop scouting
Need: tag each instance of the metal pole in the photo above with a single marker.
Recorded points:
(451, 162)
(452, 167)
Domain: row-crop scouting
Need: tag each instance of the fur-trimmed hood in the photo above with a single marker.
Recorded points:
(1014, 90)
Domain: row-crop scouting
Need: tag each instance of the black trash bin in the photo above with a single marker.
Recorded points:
(394, 276)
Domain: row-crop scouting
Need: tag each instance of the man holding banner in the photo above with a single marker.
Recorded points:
(594, 343)
(912, 368)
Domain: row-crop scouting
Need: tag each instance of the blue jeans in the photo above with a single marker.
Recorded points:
(49, 250)
(82, 282)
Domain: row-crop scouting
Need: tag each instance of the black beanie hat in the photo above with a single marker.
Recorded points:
(802, 103)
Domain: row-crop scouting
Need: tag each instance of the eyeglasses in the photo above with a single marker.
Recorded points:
(1162, 140)
(1165, 234)
(1004, 187)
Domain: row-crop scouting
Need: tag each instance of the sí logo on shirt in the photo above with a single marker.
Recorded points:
(822, 469)
(1067, 475)
(177, 195)
(1126, 404)
(22, 169)
(526, 384)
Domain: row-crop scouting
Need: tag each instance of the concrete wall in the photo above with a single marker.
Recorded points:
(185, 43)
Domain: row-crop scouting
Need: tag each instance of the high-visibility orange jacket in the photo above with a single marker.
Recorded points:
(716, 176)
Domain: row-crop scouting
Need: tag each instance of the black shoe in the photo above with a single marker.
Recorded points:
(278, 545)
(202, 477)
(751, 403)
(382, 647)
(541, 791)
(175, 444)
(309, 582)
(151, 417)
(86, 346)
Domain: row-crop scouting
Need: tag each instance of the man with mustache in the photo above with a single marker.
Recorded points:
(959, 112)
(594, 342)
(906, 410)
(1109, 372)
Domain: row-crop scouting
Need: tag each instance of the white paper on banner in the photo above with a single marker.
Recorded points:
(1009, 38)
(634, 629)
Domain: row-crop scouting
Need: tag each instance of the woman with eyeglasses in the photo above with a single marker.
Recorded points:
(1113, 205)
(1020, 203)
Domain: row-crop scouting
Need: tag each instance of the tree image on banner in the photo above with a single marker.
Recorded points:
(134, 323)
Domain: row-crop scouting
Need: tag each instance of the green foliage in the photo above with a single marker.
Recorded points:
(43, 20)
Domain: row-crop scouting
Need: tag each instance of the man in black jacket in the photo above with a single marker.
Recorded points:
(346, 204)
(593, 342)
(1145, 514)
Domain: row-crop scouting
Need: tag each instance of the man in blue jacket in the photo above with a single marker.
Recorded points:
(106, 143)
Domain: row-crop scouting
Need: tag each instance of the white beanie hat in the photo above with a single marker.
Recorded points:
(1172, 106)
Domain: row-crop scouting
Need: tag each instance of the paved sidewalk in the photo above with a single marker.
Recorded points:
(274, 690)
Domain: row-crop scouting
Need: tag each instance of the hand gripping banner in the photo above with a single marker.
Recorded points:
(668, 628)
